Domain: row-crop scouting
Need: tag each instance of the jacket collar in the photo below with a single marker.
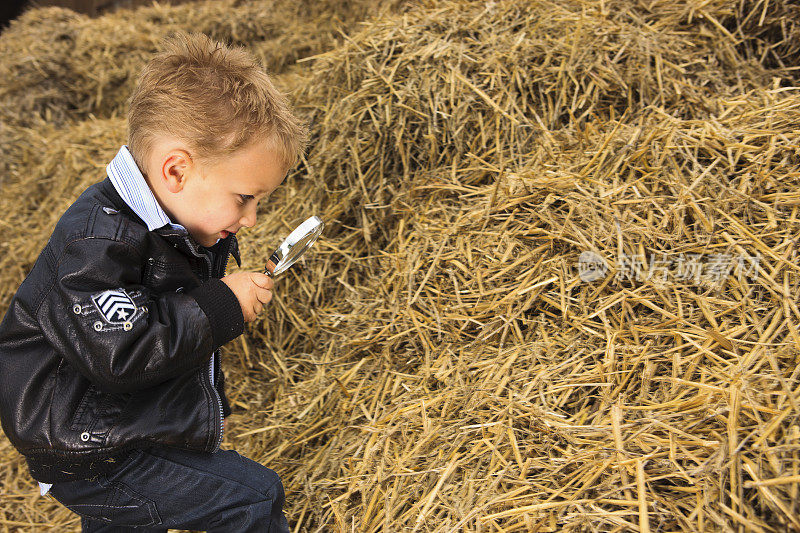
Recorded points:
(169, 232)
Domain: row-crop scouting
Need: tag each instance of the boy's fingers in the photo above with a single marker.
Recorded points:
(264, 295)
(262, 280)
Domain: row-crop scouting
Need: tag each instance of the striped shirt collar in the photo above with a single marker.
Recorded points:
(134, 190)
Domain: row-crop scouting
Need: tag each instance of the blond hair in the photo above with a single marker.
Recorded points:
(215, 98)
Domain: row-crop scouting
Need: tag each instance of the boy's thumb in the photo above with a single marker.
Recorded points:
(260, 279)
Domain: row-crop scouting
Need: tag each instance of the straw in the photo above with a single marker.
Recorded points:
(438, 361)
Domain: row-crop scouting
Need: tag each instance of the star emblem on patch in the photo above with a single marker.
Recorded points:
(115, 305)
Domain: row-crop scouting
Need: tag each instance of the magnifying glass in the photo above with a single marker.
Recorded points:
(294, 246)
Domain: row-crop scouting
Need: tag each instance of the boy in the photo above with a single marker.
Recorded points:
(110, 379)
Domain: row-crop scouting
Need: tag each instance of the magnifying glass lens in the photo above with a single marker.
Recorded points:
(299, 248)
(294, 246)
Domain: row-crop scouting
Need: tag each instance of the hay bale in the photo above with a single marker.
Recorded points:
(36, 68)
(770, 33)
(464, 376)
(454, 370)
(448, 86)
(59, 65)
(763, 32)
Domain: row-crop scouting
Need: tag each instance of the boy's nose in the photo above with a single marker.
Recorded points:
(249, 219)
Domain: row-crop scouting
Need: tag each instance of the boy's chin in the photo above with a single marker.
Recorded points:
(206, 240)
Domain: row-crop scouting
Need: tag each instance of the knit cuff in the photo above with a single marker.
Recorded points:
(222, 308)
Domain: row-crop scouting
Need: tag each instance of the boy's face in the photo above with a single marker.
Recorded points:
(214, 199)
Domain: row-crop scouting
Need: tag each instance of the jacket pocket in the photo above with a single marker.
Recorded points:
(97, 414)
(161, 275)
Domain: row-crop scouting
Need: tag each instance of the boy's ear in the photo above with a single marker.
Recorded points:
(175, 168)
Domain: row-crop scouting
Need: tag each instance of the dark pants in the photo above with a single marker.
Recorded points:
(160, 488)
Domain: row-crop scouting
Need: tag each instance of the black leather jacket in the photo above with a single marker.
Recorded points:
(107, 344)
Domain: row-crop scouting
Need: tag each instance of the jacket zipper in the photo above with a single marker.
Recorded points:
(221, 420)
(224, 259)
(218, 441)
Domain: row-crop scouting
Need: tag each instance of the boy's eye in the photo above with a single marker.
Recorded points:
(245, 197)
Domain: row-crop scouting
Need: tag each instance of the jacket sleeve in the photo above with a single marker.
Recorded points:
(121, 336)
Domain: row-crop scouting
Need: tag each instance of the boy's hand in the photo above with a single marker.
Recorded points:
(252, 289)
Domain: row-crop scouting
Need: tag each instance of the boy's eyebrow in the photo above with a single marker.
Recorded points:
(255, 193)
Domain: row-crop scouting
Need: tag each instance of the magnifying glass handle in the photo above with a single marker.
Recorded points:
(269, 269)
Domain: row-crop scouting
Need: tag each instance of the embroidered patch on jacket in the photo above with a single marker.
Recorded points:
(115, 306)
